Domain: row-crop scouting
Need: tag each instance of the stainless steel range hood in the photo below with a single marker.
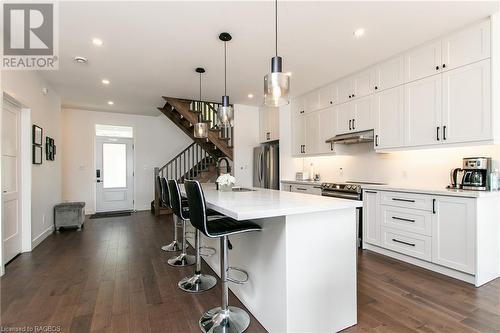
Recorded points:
(350, 138)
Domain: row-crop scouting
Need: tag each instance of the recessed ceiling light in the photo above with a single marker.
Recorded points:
(111, 102)
(289, 73)
(105, 81)
(359, 32)
(97, 42)
(250, 95)
(81, 60)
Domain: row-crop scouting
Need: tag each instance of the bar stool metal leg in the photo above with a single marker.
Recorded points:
(224, 319)
(182, 259)
(198, 282)
(175, 246)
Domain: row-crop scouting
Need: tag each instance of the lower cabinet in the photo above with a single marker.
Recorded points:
(301, 188)
(439, 229)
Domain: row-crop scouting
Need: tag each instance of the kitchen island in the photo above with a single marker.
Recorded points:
(302, 265)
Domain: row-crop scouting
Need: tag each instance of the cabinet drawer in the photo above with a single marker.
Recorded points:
(408, 243)
(407, 200)
(308, 189)
(406, 219)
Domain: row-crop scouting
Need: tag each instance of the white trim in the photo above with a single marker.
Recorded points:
(421, 263)
(40, 238)
(25, 185)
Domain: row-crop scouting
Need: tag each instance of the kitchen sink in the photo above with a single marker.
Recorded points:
(242, 189)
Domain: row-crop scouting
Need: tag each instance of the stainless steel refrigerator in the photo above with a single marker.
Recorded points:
(266, 166)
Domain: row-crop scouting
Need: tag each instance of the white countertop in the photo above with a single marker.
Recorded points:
(263, 203)
(435, 191)
(302, 182)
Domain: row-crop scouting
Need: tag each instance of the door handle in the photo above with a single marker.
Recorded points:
(405, 243)
(350, 121)
(404, 200)
(437, 133)
(353, 127)
(403, 219)
(98, 180)
(376, 140)
(444, 132)
(433, 206)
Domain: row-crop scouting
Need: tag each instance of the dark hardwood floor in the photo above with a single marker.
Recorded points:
(113, 277)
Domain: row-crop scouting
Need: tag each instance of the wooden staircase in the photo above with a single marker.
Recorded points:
(184, 113)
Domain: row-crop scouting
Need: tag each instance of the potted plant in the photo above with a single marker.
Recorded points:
(226, 182)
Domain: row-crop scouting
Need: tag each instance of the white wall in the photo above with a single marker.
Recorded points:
(26, 88)
(246, 137)
(157, 140)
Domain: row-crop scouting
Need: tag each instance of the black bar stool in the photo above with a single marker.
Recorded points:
(227, 319)
(175, 245)
(181, 211)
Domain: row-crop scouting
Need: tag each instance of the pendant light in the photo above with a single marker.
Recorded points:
(200, 128)
(225, 111)
(276, 83)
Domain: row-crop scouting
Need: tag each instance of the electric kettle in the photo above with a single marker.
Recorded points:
(454, 178)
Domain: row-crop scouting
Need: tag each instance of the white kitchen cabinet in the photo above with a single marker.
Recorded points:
(306, 188)
(371, 217)
(466, 46)
(328, 96)
(388, 74)
(423, 112)
(312, 101)
(312, 133)
(298, 127)
(269, 124)
(345, 115)
(345, 89)
(362, 84)
(453, 236)
(423, 61)
(388, 112)
(327, 129)
(363, 114)
(466, 104)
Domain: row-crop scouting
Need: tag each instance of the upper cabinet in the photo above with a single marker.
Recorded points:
(298, 126)
(435, 94)
(423, 61)
(388, 74)
(269, 124)
(466, 46)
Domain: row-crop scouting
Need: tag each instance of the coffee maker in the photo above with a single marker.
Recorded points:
(476, 171)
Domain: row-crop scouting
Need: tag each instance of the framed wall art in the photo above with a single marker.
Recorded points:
(37, 135)
(37, 154)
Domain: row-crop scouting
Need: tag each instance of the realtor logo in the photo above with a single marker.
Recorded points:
(29, 38)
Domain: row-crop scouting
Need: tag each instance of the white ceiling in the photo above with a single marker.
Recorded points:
(151, 48)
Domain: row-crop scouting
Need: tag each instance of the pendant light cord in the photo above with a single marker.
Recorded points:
(200, 87)
(225, 70)
(276, 25)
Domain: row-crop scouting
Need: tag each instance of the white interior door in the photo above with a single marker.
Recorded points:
(11, 217)
(114, 174)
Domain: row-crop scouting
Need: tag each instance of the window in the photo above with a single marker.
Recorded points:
(114, 131)
(114, 164)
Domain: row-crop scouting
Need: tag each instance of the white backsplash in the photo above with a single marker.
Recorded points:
(427, 168)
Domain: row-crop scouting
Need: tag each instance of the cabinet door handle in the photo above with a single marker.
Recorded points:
(444, 132)
(301, 189)
(404, 200)
(437, 133)
(376, 87)
(353, 127)
(350, 121)
(444, 65)
(352, 95)
(376, 140)
(373, 192)
(433, 206)
(331, 146)
(437, 68)
(402, 219)
(268, 135)
(405, 243)
(331, 102)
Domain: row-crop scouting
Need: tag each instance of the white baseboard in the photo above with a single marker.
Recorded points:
(40, 238)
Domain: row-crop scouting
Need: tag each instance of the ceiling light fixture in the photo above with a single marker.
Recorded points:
(225, 111)
(288, 73)
(97, 42)
(250, 95)
(105, 81)
(200, 128)
(359, 32)
(276, 83)
(80, 60)
(111, 103)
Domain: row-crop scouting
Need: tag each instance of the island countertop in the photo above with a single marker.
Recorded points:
(263, 203)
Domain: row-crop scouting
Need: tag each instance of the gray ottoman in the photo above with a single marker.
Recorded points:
(69, 214)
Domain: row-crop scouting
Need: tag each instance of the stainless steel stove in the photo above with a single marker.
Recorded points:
(350, 190)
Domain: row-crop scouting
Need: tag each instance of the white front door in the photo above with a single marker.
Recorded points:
(114, 174)
(11, 217)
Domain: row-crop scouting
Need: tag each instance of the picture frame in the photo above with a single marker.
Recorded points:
(37, 154)
(37, 135)
(50, 149)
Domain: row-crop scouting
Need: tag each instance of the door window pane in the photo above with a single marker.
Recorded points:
(114, 164)
(114, 131)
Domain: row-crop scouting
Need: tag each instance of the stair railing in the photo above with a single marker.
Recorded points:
(208, 112)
